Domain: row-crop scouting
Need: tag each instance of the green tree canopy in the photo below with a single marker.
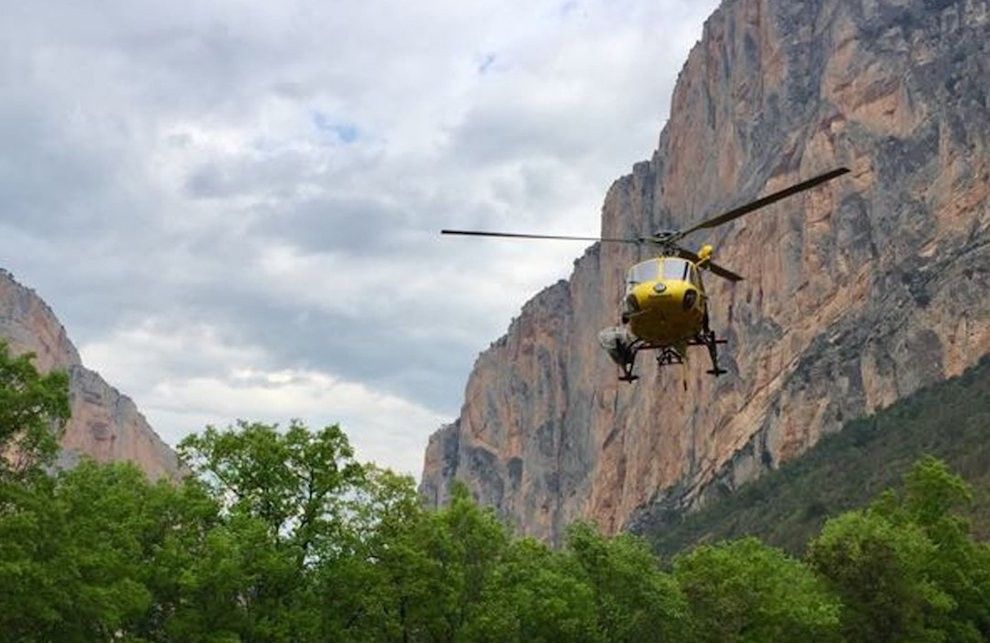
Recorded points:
(81, 553)
(745, 591)
(906, 566)
(281, 535)
(535, 594)
(879, 569)
(634, 599)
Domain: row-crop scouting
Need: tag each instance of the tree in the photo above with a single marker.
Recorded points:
(293, 481)
(77, 550)
(285, 505)
(745, 591)
(33, 411)
(880, 570)
(537, 595)
(960, 567)
(634, 600)
(453, 554)
(380, 581)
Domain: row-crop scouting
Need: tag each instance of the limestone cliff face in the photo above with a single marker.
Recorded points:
(105, 424)
(856, 293)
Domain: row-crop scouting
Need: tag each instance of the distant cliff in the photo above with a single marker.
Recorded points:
(856, 293)
(105, 424)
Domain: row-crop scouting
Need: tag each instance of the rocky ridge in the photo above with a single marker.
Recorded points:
(856, 294)
(105, 424)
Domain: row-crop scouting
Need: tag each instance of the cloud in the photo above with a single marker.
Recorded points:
(190, 376)
(207, 189)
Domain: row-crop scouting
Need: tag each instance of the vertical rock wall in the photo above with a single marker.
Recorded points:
(856, 293)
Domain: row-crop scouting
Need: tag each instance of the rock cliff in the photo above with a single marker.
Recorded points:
(105, 424)
(856, 293)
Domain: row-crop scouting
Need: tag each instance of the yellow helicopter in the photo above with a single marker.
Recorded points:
(665, 307)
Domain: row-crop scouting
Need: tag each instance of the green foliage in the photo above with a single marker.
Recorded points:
(33, 411)
(292, 481)
(878, 568)
(906, 566)
(77, 552)
(634, 600)
(284, 509)
(746, 591)
(960, 567)
(535, 595)
(280, 535)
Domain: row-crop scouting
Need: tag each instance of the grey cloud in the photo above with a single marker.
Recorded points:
(352, 224)
(499, 133)
(154, 153)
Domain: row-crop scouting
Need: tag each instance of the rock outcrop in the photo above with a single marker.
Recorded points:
(856, 293)
(105, 424)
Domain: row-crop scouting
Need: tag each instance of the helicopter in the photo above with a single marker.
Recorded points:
(664, 307)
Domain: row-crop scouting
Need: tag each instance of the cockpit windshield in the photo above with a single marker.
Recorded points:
(675, 269)
(646, 271)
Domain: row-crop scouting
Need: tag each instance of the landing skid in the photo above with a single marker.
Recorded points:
(668, 355)
(629, 361)
(711, 342)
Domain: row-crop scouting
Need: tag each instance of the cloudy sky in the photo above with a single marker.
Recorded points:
(234, 206)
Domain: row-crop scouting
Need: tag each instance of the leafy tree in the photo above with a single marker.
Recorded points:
(456, 551)
(33, 411)
(537, 595)
(284, 500)
(746, 591)
(293, 481)
(879, 568)
(634, 600)
(76, 553)
(407, 574)
(378, 584)
(932, 493)
(960, 567)
(283, 536)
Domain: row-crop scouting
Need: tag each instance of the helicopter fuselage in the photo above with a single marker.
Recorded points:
(665, 301)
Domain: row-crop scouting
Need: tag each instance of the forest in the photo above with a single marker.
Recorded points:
(281, 534)
(787, 506)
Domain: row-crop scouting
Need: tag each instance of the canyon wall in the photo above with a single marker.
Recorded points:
(105, 425)
(855, 293)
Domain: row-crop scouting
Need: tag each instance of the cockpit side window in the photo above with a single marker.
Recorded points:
(693, 276)
(675, 269)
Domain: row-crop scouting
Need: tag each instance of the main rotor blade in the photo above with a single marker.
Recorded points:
(515, 235)
(723, 272)
(735, 213)
(684, 253)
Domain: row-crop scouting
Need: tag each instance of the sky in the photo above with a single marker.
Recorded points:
(234, 206)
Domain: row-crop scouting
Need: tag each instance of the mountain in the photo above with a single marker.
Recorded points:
(105, 424)
(857, 293)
